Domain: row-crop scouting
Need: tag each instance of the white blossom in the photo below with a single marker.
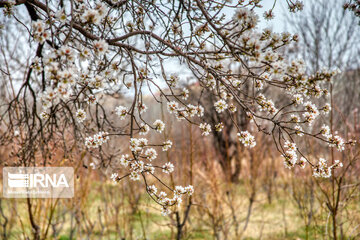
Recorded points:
(91, 16)
(298, 99)
(39, 32)
(172, 106)
(247, 139)
(152, 189)
(167, 145)
(121, 111)
(114, 177)
(205, 129)
(323, 170)
(144, 129)
(246, 17)
(159, 125)
(142, 107)
(168, 168)
(219, 127)
(220, 106)
(97, 140)
(150, 154)
(100, 46)
(125, 160)
(91, 99)
(185, 94)
(135, 176)
(80, 115)
(290, 159)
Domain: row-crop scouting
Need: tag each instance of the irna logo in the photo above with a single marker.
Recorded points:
(38, 182)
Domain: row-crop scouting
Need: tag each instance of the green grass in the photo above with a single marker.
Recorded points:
(266, 218)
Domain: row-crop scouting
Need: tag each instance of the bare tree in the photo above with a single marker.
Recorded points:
(328, 36)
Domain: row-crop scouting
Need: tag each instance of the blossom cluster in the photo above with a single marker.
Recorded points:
(311, 112)
(121, 111)
(290, 156)
(167, 202)
(246, 18)
(80, 115)
(159, 125)
(323, 170)
(247, 139)
(141, 162)
(266, 105)
(141, 150)
(221, 106)
(97, 140)
(8, 7)
(100, 46)
(319, 170)
(181, 113)
(93, 16)
(39, 31)
(205, 129)
(333, 140)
